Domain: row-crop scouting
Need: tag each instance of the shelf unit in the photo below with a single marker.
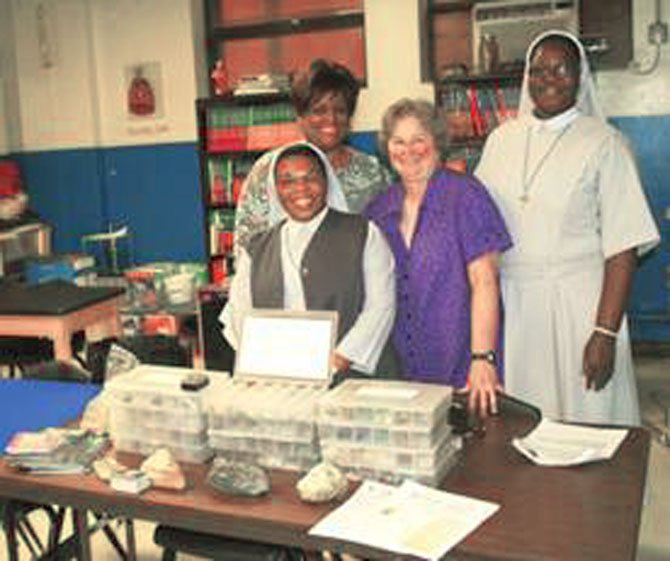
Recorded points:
(472, 106)
(232, 134)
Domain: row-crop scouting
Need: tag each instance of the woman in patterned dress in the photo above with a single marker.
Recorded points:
(325, 99)
(446, 235)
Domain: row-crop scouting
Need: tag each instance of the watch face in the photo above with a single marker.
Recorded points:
(488, 356)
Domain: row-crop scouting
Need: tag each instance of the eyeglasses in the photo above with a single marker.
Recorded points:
(560, 71)
(289, 182)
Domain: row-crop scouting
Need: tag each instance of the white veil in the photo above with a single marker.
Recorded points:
(587, 100)
(335, 199)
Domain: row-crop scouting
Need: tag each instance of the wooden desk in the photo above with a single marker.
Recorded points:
(588, 513)
(58, 309)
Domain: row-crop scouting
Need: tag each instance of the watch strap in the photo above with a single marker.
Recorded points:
(489, 356)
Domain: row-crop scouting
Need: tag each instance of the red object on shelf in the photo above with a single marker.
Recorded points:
(264, 137)
(237, 188)
(219, 77)
(227, 139)
(218, 271)
(218, 192)
(225, 242)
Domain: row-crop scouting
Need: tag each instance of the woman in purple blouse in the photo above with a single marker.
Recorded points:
(446, 235)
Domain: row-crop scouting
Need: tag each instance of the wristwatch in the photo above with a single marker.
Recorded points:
(488, 356)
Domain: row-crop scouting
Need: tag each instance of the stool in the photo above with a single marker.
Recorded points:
(19, 352)
(174, 540)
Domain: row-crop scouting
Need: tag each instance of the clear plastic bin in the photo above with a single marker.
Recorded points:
(152, 387)
(432, 478)
(275, 409)
(269, 460)
(409, 437)
(385, 403)
(150, 418)
(269, 452)
(191, 454)
(167, 435)
(149, 410)
(403, 460)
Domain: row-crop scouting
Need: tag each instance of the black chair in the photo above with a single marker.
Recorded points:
(20, 352)
(174, 540)
(15, 517)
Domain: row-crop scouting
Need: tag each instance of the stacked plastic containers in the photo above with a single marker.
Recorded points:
(266, 421)
(388, 430)
(150, 410)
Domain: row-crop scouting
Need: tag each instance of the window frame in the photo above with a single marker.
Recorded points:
(428, 10)
(281, 27)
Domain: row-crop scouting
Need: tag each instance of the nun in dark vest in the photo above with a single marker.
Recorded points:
(318, 256)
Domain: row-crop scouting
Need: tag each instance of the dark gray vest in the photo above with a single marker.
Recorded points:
(331, 268)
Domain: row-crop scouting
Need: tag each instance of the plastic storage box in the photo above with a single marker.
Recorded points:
(388, 430)
(270, 422)
(268, 416)
(150, 410)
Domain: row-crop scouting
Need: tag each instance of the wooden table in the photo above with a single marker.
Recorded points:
(57, 310)
(588, 513)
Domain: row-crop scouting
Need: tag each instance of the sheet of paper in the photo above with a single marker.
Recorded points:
(560, 444)
(411, 519)
(286, 347)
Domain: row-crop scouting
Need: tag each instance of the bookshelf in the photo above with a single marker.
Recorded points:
(472, 106)
(232, 134)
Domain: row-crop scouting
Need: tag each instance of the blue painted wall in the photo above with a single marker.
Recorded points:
(154, 190)
(650, 301)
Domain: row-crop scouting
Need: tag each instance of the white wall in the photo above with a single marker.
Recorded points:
(81, 100)
(152, 31)
(9, 125)
(393, 59)
(623, 93)
(57, 107)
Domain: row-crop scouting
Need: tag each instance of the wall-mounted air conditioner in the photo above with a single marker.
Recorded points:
(515, 23)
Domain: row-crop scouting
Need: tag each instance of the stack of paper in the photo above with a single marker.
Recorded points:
(411, 519)
(40, 442)
(559, 444)
(55, 450)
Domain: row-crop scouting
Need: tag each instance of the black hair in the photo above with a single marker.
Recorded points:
(324, 76)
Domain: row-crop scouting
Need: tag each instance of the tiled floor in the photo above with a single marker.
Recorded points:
(654, 544)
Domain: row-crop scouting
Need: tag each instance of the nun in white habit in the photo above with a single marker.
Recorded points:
(568, 188)
(310, 254)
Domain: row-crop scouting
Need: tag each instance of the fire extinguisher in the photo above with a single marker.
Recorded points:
(141, 99)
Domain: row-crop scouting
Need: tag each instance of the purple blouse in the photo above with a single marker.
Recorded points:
(457, 223)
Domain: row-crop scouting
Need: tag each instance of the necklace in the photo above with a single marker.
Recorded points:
(528, 181)
(293, 260)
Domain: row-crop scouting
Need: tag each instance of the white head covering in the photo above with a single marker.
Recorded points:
(335, 196)
(587, 100)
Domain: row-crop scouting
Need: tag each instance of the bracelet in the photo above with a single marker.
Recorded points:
(604, 331)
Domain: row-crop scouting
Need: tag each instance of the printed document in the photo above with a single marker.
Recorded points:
(410, 519)
(560, 444)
